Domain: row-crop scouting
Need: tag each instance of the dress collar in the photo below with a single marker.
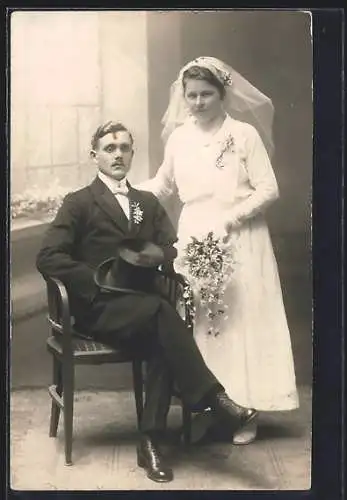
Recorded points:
(213, 137)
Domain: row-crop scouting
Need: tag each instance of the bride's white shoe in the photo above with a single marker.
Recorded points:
(247, 434)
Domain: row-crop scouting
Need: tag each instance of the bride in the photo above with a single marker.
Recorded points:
(221, 170)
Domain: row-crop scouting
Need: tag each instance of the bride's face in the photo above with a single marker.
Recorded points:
(203, 99)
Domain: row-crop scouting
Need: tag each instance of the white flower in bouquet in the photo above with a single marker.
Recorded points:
(209, 265)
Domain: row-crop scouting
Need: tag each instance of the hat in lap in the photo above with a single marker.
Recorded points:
(127, 271)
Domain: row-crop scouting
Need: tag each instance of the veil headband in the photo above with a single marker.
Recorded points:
(213, 65)
(242, 100)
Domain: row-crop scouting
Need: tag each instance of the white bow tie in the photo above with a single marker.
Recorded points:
(121, 190)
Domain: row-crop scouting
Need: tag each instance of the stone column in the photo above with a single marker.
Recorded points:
(124, 79)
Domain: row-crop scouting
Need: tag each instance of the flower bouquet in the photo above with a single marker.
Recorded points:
(209, 265)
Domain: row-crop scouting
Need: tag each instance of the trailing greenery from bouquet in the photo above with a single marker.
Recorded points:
(38, 202)
(209, 265)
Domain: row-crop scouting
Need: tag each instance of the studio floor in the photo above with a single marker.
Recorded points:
(104, 449)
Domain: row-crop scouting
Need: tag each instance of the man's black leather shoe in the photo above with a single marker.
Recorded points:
(150, 459)
(227, 408)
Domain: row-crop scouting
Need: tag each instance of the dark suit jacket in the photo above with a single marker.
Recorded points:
(88, 229)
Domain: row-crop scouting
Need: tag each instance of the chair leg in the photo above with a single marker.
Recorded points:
(68, 398)
(55, 409)
(186, 423)
(138, 388)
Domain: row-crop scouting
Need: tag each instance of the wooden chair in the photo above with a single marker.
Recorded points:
(70, 348)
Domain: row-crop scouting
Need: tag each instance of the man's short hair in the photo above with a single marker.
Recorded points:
(109, 127)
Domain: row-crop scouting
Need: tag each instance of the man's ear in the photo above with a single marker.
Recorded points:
(92, 154)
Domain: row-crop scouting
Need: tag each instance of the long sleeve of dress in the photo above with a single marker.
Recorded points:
(162, 185)
(261, 178)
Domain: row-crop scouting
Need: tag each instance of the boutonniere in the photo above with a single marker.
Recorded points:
(227, 144)
(137, 212)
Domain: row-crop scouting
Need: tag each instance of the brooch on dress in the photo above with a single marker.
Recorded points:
(227, 144)
(137, 212)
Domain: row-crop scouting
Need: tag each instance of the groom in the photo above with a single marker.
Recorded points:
(89, 229)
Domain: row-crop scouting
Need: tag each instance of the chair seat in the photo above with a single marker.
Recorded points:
(89, 351)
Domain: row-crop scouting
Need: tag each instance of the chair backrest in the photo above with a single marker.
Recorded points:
(173, 286)
(58, 307)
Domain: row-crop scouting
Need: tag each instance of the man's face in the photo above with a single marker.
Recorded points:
(114, 154)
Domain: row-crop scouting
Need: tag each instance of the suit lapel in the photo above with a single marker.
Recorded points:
(109, 204)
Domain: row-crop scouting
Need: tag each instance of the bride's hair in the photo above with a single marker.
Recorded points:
(201, 73)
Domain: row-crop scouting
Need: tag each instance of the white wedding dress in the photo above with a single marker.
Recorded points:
(252, 355)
